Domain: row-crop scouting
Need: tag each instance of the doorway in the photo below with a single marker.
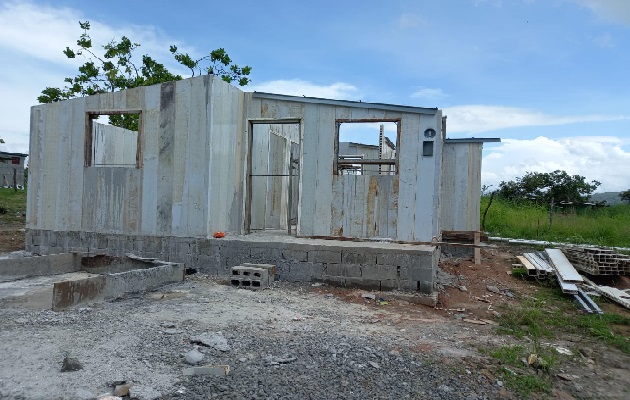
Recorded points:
(273, 176)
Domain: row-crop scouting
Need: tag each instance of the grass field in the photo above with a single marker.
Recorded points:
(12, 205)
(608, 226)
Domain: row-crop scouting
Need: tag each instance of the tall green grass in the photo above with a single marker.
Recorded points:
(12, 205)
(608, 226)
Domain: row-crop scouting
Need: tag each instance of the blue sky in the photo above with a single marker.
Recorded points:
(550, 77)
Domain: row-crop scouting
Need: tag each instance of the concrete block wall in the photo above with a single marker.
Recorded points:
(380, 268)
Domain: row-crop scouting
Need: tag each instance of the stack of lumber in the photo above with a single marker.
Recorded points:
(568, 277)
(553, 262)
(536, 265)
(598, 261)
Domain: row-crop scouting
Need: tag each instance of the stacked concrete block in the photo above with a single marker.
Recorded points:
(411, 268)
(253, 276)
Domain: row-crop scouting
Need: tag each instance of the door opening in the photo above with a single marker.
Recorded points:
(273, 176)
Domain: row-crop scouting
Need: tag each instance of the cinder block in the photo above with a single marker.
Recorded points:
(362, 283)
(335, 270)
(422, 274)
(425, 287)
(271, 268)
(358, 258)
(265, 254)
(390, 284)
(334, 280)
(302, 271)
(353, 270)
(380, 272)
(324, 256)
(295, 255)
(249, 277)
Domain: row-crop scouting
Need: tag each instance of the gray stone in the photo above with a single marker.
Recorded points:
(493, 289)
(70, 364)
(193, 357)
(144, 393)
(122, 390)
(216, 340)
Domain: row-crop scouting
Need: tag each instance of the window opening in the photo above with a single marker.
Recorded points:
(113, 139)
(366, 147)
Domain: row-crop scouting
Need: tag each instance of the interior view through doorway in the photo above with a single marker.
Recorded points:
(273, 179)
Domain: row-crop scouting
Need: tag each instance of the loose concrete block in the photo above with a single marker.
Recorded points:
(295, 255)
(358, 258)
(249, 277)
(271, 268)
(324, 256)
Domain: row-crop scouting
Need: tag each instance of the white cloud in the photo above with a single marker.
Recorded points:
(600, 158)
(33, 36)
(605, 40)
(410, 20)
(429, 94)
(483, 118)
(298, 87)
(610, 10)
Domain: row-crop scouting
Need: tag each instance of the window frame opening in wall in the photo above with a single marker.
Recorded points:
(96, 145)
(359, 164)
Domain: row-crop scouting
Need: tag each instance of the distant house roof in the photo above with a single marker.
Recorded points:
(4, 153)
(472, 140)
(347, 103)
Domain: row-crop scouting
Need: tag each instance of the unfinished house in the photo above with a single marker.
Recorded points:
(12, 169)
(285, 178)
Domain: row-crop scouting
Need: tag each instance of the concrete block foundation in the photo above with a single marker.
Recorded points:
(369, 265)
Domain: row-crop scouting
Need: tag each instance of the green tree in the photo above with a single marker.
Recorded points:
(625, 196)
(541, 187)
(116, 70)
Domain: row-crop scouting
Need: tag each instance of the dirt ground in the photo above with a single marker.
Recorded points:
(11, 236)
(458, 333)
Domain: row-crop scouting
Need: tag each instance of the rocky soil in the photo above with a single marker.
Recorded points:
(293, 341)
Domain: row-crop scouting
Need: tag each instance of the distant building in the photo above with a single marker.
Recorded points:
(11, 163)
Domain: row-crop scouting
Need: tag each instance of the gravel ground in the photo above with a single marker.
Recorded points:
(288, 342)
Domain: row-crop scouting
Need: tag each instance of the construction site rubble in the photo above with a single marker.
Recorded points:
(563, 264)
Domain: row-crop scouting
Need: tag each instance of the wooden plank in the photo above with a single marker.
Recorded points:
(531, 269)
(477, 250)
